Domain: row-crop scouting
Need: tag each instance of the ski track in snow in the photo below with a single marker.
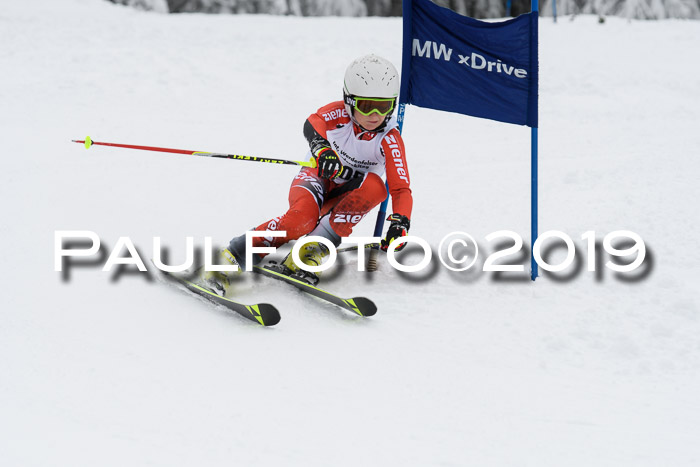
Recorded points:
(455, 369)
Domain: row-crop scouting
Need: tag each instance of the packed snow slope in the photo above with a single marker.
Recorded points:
(108, 369)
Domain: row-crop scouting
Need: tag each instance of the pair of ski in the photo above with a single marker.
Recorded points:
(265, 313)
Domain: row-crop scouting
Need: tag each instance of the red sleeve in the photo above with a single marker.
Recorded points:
(397, 173)
(329, 117)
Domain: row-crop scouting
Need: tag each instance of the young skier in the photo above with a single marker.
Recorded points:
(353, 142)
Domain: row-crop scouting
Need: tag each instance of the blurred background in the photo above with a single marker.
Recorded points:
(632, 9)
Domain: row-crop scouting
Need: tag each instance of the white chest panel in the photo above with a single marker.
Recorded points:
(365, 156)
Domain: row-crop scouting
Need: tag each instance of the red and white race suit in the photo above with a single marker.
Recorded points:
(370, 154)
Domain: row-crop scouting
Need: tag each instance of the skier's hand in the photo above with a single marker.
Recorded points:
(329, 165)
(398, 228)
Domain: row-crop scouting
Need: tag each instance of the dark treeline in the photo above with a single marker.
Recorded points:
(637, 9)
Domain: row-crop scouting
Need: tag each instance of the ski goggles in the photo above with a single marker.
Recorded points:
(369, 105)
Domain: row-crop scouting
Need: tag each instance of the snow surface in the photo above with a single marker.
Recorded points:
(455, 368)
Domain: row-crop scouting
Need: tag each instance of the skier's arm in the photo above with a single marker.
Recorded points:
(399, 187)
(315, 135)
(397, 176)
(327, 160)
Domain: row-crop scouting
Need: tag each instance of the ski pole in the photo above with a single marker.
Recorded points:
(88, 142)
(355, 247)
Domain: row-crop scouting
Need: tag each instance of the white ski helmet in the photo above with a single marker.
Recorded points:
(370, 76)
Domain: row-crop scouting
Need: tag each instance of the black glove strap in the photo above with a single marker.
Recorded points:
(399, 220)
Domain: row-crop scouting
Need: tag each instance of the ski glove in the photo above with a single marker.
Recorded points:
(398, 228)
(329, 165)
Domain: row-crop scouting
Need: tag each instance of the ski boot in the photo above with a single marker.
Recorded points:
(311, 254)
(219, 281)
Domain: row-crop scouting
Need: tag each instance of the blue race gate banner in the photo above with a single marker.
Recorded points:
(459, 64)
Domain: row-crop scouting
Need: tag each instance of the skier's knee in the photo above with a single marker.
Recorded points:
(374, 189)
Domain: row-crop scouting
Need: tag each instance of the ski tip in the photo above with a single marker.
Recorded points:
(365, 306)
(269, 314)
(88, 142)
